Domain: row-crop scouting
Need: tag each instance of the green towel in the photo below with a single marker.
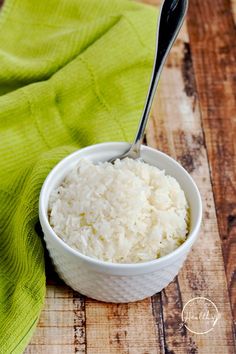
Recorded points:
(72, 73)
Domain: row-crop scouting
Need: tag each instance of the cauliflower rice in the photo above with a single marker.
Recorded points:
(128, 212)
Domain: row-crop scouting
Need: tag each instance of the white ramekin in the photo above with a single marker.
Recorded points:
(114, 282)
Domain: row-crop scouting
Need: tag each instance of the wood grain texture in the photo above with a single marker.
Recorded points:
(213, 38)
(61, 328)
(193, 120)
(233, 9)
(121, 328)
(176, 129)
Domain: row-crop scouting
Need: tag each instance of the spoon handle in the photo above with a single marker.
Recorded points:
(171, 17)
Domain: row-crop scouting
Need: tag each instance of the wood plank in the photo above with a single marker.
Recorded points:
(121, 328)
(233, 9)
(175, 128)
(213, 39)
(50, 349)
(61, 327)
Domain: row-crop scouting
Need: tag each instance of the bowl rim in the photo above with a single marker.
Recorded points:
(110, 265)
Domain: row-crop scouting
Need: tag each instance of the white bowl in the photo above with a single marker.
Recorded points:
(113, 282)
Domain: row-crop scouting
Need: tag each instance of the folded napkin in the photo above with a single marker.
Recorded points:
(72, 73)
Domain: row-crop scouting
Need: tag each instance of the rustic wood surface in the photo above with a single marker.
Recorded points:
(193, 120)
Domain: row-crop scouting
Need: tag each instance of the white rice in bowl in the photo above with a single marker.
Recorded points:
(128, 212)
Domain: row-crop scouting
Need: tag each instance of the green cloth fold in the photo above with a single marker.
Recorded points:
(72, 73)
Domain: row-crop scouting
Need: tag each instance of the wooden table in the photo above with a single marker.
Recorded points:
(193, 120)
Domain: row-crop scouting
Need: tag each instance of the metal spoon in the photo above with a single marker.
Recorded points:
(171, 17)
